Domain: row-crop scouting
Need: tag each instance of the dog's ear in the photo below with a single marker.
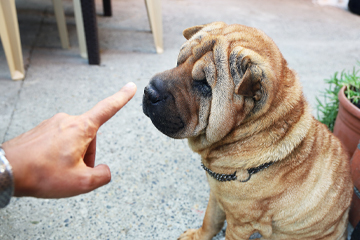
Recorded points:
(250, 75)
(189, 32)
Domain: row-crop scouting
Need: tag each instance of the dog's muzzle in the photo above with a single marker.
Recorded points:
(159, 106)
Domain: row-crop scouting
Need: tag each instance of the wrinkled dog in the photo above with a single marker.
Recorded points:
(272, 168)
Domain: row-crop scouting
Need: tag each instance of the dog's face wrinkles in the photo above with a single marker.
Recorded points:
(221, 80)
(240, 106)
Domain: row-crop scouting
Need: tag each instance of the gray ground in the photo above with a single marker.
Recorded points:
(158, 188)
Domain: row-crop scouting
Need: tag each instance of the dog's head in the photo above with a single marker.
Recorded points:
(226, 75)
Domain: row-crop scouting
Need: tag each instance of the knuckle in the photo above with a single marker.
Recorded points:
(60, 115)
(88, 126)
(87, 183)
(90, 180)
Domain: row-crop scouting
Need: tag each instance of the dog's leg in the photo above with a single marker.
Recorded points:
(212, 224)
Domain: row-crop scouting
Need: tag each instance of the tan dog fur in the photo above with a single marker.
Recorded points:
(255, 115)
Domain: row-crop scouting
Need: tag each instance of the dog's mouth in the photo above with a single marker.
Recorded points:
(159, 106)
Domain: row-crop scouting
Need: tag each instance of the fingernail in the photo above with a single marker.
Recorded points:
(129, 85)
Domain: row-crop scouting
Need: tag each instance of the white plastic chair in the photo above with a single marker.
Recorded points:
(61, 23)
(155, 19)
(10, 38)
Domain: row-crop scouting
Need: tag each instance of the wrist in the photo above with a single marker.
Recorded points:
(19, 157)
(6, 180)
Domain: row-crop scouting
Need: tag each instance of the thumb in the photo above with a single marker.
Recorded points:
(96, 177)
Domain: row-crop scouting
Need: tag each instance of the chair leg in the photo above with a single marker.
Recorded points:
(91, 32)
(107, 8)
(61, 23)
(155, 19)
(10, 38)
(80, 28)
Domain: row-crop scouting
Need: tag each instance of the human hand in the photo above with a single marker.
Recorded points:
(56, 159)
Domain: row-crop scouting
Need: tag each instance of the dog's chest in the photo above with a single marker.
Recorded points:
(243, 196)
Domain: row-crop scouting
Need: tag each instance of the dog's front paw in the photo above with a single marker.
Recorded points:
(191, 234)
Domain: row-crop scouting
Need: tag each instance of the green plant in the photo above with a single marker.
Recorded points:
(328, 110)
(352, 91)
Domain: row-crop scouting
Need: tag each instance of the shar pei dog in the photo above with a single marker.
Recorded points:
(273, 169)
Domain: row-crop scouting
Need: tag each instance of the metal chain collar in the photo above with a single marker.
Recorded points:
(231, 177)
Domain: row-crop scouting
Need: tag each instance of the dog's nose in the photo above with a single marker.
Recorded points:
(152, 94)
(155, 91)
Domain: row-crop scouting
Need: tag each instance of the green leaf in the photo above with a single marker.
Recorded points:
(328, 109)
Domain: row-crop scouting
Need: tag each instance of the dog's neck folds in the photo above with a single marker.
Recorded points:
(242, 150)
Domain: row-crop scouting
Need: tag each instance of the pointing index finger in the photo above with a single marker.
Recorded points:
(108, 107)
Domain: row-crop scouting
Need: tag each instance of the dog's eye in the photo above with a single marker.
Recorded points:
(203, 87)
